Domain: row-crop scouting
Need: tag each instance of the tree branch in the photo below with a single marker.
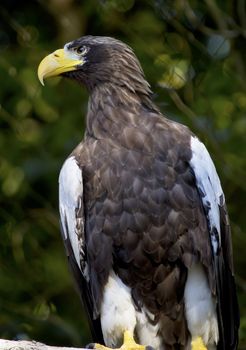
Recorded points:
(30, 345)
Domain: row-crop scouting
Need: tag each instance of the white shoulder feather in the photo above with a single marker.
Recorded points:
(71, 207)
(210, 188)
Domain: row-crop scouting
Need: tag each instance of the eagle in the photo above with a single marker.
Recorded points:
(143, 215)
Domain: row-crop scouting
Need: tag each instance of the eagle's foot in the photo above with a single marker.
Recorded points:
(97, 346)
(128, 344)
(198, 344)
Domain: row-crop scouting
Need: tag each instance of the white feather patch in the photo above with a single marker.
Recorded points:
(117, 311)
(119, 314)
(70, 195)
(208, 181)
(146, 331)
(200, 307)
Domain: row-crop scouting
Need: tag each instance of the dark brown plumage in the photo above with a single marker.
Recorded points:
(142, 208)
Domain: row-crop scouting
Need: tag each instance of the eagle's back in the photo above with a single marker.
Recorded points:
(144, 217)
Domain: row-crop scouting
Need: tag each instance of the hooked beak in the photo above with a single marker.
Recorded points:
(58, 62)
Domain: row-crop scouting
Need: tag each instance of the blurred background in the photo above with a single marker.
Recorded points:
(194, 56)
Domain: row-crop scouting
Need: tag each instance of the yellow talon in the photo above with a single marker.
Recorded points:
(128, 344)
(198, 344)
(99, 347)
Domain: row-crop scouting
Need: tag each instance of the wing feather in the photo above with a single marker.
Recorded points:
(213, 200)
(72, 229)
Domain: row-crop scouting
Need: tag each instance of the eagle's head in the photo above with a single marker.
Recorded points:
(96, 60)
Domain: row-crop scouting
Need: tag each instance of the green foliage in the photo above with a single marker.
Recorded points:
(193, 54)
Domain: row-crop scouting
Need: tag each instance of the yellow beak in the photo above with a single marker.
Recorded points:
(57, 63)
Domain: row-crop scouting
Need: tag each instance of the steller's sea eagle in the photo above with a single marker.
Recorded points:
(143, 214)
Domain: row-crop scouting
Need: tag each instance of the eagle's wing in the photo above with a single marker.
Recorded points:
(214, 205)
(72, 228)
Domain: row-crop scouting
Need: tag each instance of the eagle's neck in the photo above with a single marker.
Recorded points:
(111, 106)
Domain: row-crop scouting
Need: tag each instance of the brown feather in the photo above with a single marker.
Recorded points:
(144, 216)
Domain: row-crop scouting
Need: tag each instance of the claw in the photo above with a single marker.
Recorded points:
(128, 344)
(96, 346)
(198, 344)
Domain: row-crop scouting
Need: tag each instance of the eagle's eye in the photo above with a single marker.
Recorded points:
(82, 50)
